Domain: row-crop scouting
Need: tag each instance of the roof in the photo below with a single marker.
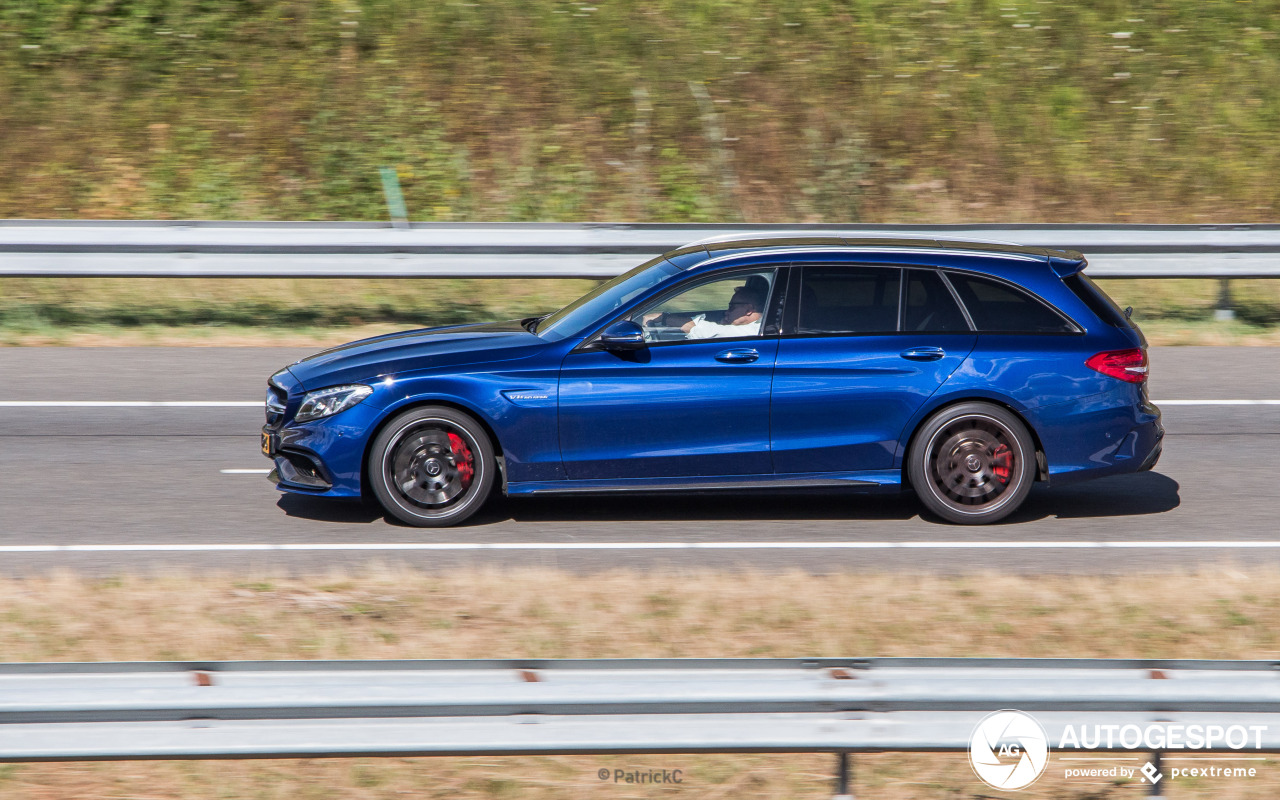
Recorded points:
(1064, 262)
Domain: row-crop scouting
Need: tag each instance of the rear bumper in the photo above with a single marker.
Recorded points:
(1154, 457)
(1111, 433)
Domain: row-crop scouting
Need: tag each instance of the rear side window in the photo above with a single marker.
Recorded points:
(1097, 300)
(999, 308)
(848, 300)
(929, 306)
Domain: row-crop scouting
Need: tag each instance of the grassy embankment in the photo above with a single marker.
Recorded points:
(759, 111)
(192, 312)
(392, 613)
(960, 110)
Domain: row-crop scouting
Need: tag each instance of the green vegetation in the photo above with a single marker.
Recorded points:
(319, 312)
(286, 303)
(755, 110)
(251, 311)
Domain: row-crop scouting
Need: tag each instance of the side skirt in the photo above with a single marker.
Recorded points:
(872, 481)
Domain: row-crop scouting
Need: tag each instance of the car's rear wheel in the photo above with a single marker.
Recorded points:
(972, 463)
(432, 467)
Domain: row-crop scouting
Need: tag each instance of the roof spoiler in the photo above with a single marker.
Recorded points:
(1066, 263)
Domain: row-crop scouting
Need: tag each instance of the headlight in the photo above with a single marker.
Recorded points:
(327, 402)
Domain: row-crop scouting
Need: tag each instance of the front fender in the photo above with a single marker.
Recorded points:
(518, 408)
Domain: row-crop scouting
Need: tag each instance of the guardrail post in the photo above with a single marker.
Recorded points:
(1225, 309)
(843, 771)
(1155, 792)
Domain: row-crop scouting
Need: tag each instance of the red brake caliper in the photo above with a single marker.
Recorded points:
(466, 461)
(1002, 463)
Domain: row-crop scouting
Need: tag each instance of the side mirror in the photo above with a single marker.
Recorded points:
(623, 335)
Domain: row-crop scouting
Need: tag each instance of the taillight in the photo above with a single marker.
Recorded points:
(1127, 365)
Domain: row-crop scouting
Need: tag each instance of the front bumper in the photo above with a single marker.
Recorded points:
(323, 457)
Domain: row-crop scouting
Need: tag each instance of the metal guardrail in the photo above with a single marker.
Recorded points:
(54, 248)
(59, 712)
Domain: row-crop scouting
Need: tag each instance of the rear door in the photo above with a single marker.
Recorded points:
(863, 348)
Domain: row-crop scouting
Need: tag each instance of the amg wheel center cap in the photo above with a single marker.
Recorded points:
(972, 463)
(432, 467)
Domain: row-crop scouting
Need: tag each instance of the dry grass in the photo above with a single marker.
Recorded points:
(393, 613)
(396, 613)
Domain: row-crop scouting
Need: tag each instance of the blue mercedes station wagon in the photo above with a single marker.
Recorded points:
(965, 371)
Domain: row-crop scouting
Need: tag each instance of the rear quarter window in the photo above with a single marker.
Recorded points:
(928, 305)
(996, 307)
(1097, 300)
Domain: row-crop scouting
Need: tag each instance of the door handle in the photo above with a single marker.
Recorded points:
(923, 353)
(741, 356)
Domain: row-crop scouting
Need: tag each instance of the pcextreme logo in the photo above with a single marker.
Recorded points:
(1008, 750)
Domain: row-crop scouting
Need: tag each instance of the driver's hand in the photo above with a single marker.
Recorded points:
(650, 317)
(747, 319)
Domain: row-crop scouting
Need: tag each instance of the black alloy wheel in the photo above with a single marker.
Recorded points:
(432, 467)
(972, 463)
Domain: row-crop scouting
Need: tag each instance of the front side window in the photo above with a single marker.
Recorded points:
(996, 307)
(848, 300)
(722, 308)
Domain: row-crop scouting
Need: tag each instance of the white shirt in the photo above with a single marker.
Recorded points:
(713, 330)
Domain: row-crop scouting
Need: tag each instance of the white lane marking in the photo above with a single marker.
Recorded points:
(1218, 402)
(131, 404)
(260, 404)
(245, 471)
(465, 546)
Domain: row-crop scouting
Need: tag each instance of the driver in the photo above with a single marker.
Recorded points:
(741, 318)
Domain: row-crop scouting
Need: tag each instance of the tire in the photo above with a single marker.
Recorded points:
(432, 467)
(972, 463)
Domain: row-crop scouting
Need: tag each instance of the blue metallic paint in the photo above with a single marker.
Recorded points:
(667, 410)
(841, 402)
(414, 351)
(869, 481)
(526, 435)
(337, 442)
(833, 409)
(1103, 434)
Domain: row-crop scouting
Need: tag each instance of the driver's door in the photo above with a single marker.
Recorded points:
(678, 407)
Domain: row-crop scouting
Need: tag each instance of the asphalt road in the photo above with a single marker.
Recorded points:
(132, 487)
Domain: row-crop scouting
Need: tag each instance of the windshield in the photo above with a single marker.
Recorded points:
(578, 315)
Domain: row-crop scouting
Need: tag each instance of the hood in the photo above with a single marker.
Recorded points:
(425, 348)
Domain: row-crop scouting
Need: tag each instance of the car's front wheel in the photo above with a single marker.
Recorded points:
(432, 467)
(972, 463)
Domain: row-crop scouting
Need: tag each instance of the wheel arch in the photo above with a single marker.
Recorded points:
(926, 413)
(366, 490)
